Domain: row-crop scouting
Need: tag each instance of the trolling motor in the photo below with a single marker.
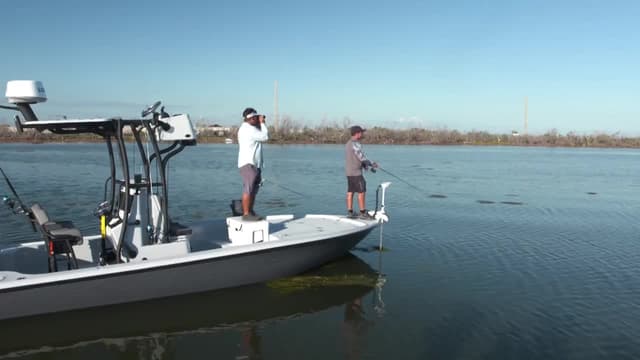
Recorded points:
(379, 213)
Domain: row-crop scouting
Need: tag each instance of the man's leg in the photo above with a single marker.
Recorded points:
(256, 187)
(361, 201)
(248, 174)
(362, 185)
(247, 203)
(252, 200)
(350, 203)
(361, 196)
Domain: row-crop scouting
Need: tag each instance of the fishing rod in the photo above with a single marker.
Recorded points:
(400, 179)
(11, 202)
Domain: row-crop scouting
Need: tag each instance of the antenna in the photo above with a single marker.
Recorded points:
(275, 105)
(526, 114)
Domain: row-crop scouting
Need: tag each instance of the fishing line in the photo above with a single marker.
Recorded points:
(283, 187)
(399, 178)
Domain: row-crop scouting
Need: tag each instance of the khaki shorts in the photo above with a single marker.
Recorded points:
(251, 178)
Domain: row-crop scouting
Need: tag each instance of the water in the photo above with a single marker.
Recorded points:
(511, 253)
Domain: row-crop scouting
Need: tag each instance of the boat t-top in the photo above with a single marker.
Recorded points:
(138, 252)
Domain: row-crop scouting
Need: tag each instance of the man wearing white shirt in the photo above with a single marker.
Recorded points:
(252, 133)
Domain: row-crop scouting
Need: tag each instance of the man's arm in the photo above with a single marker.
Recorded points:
(357, 149)
(366, 163)
(262, 133)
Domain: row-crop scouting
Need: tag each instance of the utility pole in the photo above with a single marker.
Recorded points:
(275, 106)
(526, 114)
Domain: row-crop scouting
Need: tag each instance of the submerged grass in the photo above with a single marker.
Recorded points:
(300, 283)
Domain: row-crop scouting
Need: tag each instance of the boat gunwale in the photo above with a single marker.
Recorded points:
(48, 279)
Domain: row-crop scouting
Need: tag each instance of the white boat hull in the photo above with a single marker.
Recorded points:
(196, 272)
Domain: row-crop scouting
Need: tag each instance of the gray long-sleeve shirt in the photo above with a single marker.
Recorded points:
(353, 158)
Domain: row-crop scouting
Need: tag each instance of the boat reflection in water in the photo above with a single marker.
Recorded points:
(153, 329)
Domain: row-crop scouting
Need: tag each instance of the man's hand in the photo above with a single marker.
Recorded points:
(368, 165)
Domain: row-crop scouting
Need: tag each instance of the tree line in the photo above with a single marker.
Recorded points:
(289, 133)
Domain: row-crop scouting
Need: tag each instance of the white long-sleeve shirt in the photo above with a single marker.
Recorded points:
(250, 143)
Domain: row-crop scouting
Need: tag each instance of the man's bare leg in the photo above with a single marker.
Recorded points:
(350, 202)
(252, 200)
(361, 201)
(247, 203)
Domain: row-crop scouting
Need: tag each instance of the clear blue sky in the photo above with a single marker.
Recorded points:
(457, 64)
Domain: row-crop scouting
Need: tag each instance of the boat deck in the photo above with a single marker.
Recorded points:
(31, 258)
(209, 235)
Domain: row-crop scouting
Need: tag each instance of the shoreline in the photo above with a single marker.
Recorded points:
(373, 136)
(284, 143)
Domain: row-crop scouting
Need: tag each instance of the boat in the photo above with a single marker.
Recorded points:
(339, 283)
(138, 252)
(228, 141)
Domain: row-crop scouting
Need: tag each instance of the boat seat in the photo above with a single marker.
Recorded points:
(60, 236)
(177, 229)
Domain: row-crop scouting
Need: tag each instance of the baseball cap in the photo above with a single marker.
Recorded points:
(248, 113)
(357, 129)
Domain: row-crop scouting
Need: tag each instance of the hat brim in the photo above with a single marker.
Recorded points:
(251, 116)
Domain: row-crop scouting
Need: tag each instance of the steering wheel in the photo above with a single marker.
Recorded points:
(150, 109)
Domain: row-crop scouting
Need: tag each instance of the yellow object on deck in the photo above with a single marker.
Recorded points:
(103, 226)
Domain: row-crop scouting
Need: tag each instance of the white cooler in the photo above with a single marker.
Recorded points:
(242, 232)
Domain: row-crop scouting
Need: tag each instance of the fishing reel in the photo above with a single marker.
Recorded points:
(15, 207)
(370, 165)
(102, 209)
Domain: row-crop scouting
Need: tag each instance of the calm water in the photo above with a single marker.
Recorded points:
(506, 253)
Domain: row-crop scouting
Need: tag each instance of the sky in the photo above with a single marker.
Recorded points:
(450, 64)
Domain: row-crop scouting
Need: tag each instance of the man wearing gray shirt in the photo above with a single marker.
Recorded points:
(355, 161)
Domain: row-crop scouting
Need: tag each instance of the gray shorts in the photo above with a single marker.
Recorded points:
(356, 184)
(250, 179)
